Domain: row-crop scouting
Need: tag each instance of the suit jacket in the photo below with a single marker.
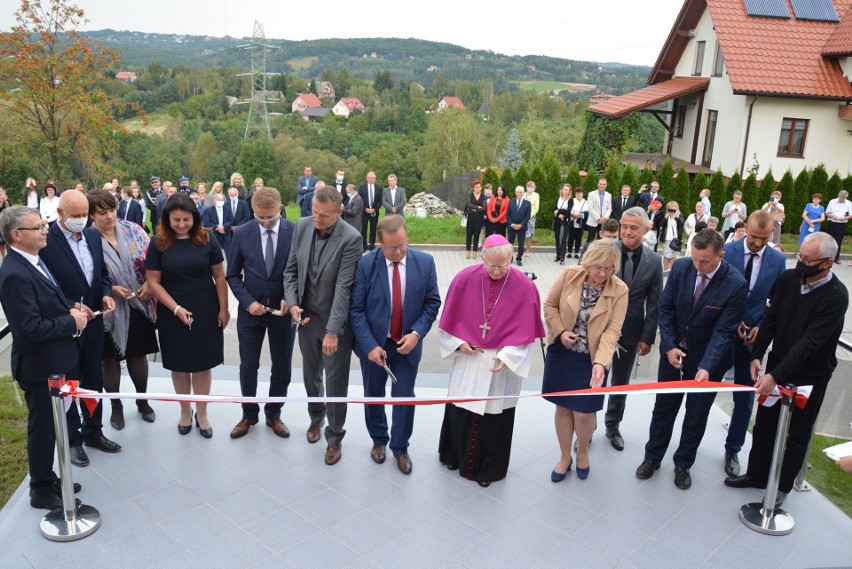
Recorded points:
(644, 199)
(210, 219)
(37, 313)
(710, 327)
(563, 303)
(336, 273)
(131, 211)
(341, 187)
(640, 323)
(593, 202)
(352, 211)
(305, 189)
(364, 190)
(370, 309)
(617, 208)
(243, 214)
(247, 274)
(516, 215)
(772, 266)
(62, 263)
(398, 203)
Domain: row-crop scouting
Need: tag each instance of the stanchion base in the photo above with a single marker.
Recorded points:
(55, 527)
(779, 523)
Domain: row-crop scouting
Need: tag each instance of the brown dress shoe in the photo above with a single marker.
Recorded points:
(403, 462)
(378, 454)
(243, 427)
(278, 427)
(314, 431)
(333, 454)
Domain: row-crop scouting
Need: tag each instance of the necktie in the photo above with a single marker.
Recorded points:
(623, 204)
(699, 290)
(371, 196)
(43, 267)
(269, 256)
(396, 308)
(233, 208)
(629, 269)
(748, 269)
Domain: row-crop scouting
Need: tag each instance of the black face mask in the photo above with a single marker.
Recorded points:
(807, 271)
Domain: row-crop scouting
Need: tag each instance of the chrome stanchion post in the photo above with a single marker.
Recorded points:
(799, 485)
(70, 522)
(763, 517)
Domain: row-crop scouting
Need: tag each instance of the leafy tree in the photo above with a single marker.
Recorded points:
(819, 181)
(767, 186)
(490, 177)
(199, 162)
(549, 191)
(803, 192)
(60, 114)
(604, 134)
(835, 184)
(680, 191)
(613, 178)
(455, 142)
(521, 176)
(718, 186)
(847, 183)
(220, 166)
(665, 177)
(256, 160)
(512, 156)
(699, 182)
(383, 82)
(750, 193)
(590, 184)
(735, 183)
(508, 180)
(629, 175)
(786, 186)
(646, 176)
(572, 176)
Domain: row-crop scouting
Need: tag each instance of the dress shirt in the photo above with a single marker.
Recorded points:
(81, 252)
(402, 274)
(836, 208)
(755, 265)
(33, 259)
(806, 288)
(220, 213)
(709, 276)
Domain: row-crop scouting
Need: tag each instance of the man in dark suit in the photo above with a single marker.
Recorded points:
(75, 257)
(339, 184)
(259, 253)
(317, 286)
(219, 220)
(151, 201)
(700, 308)
(305, 187)
(129, 209)
(395, 300)
(803, 324)
(517, 217)
(762, 266)
(371, 195)
(653, 193)
(240, 210)
(353, 207)
(642, 271)
(393, 197)
(622, 203)
(42, 327)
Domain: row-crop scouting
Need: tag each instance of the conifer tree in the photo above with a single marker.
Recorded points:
(680, 192)
(513, 157)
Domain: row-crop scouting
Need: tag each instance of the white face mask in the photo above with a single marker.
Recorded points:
(340, 178)
(234, 199)
(76, 224)
(487, 194)
(220, 203)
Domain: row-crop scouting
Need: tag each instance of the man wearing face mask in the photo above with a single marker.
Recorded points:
(240, 211)
(75, 258)
(184, 186)
(219, 220)
(803, 324)
(353, 207)
(340, 185)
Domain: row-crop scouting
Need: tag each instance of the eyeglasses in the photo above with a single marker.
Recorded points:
(808, 261)
(604, 270)
(394, 248)
(39, 228)
(494, 267)
(272, 219)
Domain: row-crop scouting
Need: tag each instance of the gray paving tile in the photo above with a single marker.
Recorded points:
(281, 529)
(136, 481)
(235, 505)
(351, 532)
(682, 536)
(143, 548)
(574, 553)
(93, 558)
(166, 502)
(368, 488)
(197, 526)
(233, 548)
(730, 554)
(492, 553)
(326, 506)
(531, 536)
(120, 520)
(291, 486)
(321, 546)
(406, 510)
(485, 513)
(562, 514)
(657, 554)
(635, 513)
(615, 538)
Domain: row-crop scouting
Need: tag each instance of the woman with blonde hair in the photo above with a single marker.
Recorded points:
(210, 198)
(237, 182)
(584, 312)
(670, 230)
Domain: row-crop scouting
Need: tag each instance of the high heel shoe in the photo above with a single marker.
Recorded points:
(560, 476)
(184, 429)
(206, 433)
(583, 473)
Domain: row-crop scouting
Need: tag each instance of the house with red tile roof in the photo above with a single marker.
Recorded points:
(126, 76)
(750, 83)
(347, 105)
(305, 101)
(450, 102)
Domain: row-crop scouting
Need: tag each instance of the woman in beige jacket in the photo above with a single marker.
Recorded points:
(584, 312)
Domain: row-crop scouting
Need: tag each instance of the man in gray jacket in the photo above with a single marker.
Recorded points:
(354, 207)
(317, 286)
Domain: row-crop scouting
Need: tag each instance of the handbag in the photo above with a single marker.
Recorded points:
(675, 244)
(464, 221)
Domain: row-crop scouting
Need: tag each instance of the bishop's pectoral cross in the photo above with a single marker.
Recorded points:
(485, 328)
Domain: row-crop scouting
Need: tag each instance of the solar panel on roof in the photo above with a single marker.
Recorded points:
(767, 8)
(818, 10)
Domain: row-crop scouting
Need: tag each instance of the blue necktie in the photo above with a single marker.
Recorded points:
(43, 267)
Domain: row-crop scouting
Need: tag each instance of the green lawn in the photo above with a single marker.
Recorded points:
(548, 86)
(827, 477)
(13, 439)
(158, 123)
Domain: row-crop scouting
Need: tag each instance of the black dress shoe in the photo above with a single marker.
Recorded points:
(682, 478)
(57, 489)
(206, 433)
(452, 467)
(646, 469)
(116, 419)
(79, 457)
(103, 444)
(615, 439)
(744, 481)
(49, 501)
(732, 464)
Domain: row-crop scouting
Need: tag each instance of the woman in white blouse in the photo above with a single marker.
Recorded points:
(49, 204)
(699, 215)
(775, 208)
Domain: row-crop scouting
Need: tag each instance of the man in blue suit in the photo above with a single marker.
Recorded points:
(219, 220)
(256, 264)
(129, 209)
(700, 309)
(762, 266)
(305, 187)
(517, 218)
(240, 210)
(75, 257)
(395, 300)
(43, 325)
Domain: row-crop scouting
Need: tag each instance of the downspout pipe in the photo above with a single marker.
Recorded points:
(748, 130)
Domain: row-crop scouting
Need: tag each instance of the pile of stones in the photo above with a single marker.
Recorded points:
(429, 205)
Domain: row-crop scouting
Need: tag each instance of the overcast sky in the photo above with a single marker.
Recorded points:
(627, 31)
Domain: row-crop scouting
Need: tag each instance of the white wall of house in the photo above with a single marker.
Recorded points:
(340, 109)
(828, 140)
